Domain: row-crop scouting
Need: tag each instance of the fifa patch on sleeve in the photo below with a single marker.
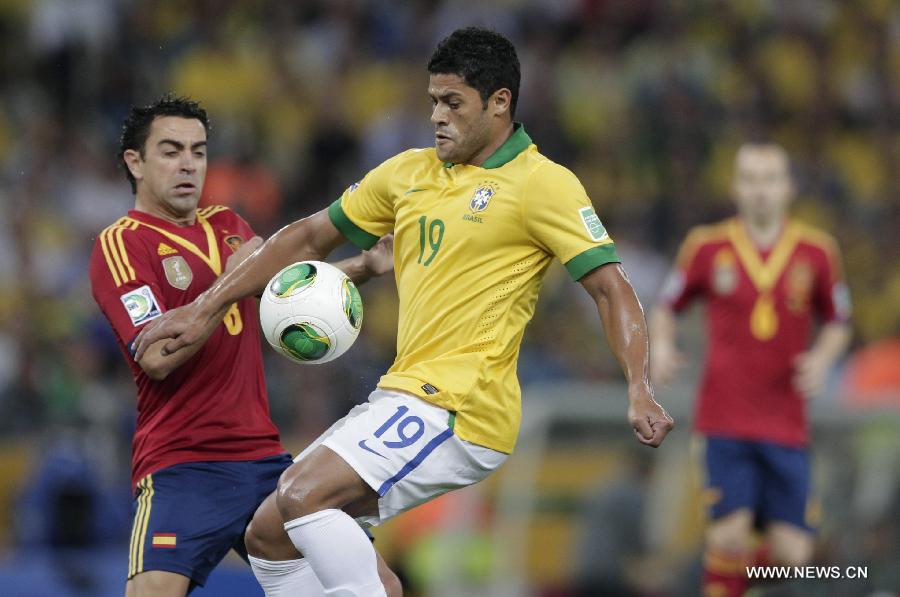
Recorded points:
(592, 223)
(141, 305)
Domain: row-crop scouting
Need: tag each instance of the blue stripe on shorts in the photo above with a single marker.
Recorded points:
(416, 461)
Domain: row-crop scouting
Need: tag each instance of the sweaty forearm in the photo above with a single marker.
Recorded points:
(299, 241)
(625, 328)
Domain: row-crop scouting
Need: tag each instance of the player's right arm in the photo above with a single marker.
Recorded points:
(362, 214)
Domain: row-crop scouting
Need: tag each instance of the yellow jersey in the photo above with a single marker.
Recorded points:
(471, 247)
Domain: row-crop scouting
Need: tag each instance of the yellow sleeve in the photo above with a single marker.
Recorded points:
(560, 218)
(365, 212)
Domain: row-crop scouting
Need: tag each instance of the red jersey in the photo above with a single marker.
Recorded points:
(759, 309)
(214, 406)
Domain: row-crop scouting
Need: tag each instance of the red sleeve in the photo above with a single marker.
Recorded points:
(687, 280)
(123, 282)
(831, 298)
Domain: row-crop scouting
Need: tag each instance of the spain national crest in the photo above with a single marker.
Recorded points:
(234, 241)
(481, 197)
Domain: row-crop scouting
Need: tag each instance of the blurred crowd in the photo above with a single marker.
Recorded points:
(646, 101)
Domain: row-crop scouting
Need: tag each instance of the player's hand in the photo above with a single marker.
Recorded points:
(665, 363)
(379, 260)
(650, 421)
(810, 373)
(184, 327)
(244, 251)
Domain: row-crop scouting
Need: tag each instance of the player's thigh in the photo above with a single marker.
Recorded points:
(320, 481)
(790, 545)
(785, 485)
(188, 516)
(731, 477)
(157, 583)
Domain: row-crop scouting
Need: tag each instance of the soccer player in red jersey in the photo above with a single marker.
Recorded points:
(765, 278)
(205, 452)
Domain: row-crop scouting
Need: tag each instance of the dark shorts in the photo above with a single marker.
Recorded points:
(770, 479)
(187, 516)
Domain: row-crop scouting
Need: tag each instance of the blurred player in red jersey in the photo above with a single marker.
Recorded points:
(205, 452)
(764, 278)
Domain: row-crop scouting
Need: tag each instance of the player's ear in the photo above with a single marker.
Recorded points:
(134, 162)
(500, 101)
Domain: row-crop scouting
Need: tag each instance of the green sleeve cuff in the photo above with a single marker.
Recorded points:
(591, 259)
(354, 233)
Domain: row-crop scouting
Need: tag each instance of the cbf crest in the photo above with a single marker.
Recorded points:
(482, 196)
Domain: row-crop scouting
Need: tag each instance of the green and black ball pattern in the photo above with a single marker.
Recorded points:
(305, 342)
(292, 278)
(353, 308)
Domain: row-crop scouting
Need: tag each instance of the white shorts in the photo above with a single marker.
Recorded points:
(405, 449)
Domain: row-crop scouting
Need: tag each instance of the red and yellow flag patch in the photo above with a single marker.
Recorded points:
(165, 540)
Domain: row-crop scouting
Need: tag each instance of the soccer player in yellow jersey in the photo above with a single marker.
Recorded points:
(476, 221)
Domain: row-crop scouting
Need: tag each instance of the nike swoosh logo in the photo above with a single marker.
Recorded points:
(362, 444)
(413, 191)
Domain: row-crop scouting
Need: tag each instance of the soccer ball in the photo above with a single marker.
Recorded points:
(310, 312)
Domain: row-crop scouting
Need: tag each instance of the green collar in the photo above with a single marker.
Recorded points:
(516, 144)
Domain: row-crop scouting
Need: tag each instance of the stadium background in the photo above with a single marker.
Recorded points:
(646, 101)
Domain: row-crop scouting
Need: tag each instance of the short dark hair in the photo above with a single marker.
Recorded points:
(485, 60)
(136, 127)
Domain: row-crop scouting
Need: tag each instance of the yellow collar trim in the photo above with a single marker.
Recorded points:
(213, 258)
(763, 274)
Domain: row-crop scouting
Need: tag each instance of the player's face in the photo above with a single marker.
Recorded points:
(461, 122)
(762, 183)
(173, 167)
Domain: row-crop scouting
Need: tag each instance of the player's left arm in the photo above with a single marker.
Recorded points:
(811, 367)
(626, 332)
(831, 301)
(559, 217)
